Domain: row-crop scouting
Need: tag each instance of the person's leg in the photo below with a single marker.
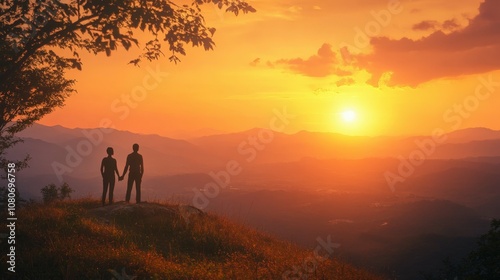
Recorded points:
(111, 189)
(129, 187)
(104, 190)
(138, 189)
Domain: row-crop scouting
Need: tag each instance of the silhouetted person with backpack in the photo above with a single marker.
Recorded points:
(136, 166)
(108, 170)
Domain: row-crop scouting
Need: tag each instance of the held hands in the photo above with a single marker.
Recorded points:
(120, 178)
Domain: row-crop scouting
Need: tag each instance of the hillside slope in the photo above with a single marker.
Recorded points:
(81, 240)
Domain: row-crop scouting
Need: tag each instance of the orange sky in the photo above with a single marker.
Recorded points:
(421, 71)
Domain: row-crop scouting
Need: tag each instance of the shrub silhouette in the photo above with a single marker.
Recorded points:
(51, 193)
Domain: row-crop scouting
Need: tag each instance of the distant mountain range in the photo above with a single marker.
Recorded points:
(303, 185)
(74, 155)
(471, 142)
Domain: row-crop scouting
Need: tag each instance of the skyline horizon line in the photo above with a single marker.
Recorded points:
(217, 132)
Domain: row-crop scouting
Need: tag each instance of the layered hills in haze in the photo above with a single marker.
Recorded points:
(397, 205)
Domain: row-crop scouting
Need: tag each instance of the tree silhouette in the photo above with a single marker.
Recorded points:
(35, 33)
(481, 264)
(484, 262)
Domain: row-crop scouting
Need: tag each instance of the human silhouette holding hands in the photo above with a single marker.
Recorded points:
(136, 166)
(108, 170)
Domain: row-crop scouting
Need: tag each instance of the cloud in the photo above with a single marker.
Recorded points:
(426, 25)
(448, 25)
(345, 82)
(473, 49)
(322, 64)
(255, 62)
(295, 9)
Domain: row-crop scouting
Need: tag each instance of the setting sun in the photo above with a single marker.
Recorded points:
(348, 116)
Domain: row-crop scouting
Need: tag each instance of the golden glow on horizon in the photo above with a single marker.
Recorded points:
(251, 75)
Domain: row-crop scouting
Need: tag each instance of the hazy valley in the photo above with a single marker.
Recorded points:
(396, 205)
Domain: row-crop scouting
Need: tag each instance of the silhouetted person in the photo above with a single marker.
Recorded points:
(108, 170)
(136, 166)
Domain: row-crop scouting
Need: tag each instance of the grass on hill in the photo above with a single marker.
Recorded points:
(70, 240)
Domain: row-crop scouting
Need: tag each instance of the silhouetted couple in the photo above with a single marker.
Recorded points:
(135, 166)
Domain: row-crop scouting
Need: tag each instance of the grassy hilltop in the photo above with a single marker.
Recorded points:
(81, 240)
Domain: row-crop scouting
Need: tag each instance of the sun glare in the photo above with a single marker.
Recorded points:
(348, 116)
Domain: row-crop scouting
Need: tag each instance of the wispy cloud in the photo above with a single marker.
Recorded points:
(447, 25)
